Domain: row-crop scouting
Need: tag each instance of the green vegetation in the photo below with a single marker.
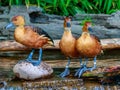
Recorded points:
(69, 7)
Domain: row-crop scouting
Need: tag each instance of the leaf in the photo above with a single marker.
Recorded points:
(112, 11)
(109, 5)
(100, 3)
(27, 2)
(10, 2)
(68, 2)
(17, 2)
(105, 5)
(118, 4)
(54, 4)
(63, 7)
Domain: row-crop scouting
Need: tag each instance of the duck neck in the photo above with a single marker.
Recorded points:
(67, 29)
(19, 31)
(85, 29)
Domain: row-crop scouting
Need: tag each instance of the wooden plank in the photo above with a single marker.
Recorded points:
(12, 45)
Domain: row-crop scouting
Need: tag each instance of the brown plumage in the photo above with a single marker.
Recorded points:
(68, 45)
(28, 35)
(88, 45)
(68, 42)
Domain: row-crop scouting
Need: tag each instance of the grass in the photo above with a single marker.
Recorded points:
(69, 7)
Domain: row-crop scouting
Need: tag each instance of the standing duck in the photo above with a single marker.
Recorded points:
(30, 36)
(88, 46)
(67, 45)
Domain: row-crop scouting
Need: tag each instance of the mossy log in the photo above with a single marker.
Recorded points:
(12, 45)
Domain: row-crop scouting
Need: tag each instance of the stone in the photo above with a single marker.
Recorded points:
(19, 10)
(34, 9)
(27, 71)
(114, 20)
(105, 26)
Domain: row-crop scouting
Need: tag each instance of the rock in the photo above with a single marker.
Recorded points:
(114, 20)
(34, 9)
(38, 17)
(19, 10)
(105, 26)
(26, 70)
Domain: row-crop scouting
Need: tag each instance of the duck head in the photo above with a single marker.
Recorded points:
(67, 22)
(87, 27)
(17, 21)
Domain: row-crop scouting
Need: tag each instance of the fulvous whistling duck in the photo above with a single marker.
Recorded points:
(88, 46)
(30, 36)
(67, 45)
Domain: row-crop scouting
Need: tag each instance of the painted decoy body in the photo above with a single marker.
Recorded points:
(67, 45)
(88, 46)
(30, 36)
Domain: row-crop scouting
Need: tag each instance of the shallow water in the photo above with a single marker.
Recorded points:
(54, 82)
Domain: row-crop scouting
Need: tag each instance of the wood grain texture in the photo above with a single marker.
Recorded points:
(11, 45)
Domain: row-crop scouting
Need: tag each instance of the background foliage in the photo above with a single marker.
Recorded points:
(69, 7)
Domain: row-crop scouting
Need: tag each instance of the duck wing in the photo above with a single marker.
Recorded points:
(40, 31)
(95, 37)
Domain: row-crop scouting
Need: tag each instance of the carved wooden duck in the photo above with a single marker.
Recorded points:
(88, 46)
(67, 45)
(30, 36)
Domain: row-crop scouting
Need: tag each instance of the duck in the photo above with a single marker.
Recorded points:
(30, 36)
(67, 45)
(89, 46)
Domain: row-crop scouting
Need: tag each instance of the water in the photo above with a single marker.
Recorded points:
(58, 62)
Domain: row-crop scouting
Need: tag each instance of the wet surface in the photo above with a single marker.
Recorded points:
(54, 82)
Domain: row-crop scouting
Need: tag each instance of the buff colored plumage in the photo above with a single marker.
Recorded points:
(88, 46)
(68, 45)
(30, 36)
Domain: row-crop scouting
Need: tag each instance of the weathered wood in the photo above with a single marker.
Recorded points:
(14, 46)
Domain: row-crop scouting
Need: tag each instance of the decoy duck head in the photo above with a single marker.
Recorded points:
(87, 27)
(17, 21)
(67, 22)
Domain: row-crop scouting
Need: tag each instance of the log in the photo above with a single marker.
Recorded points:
(11, 45)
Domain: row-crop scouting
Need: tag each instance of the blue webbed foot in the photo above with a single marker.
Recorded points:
(30, 60)
(77, 71)
(30, 55)
(34, 62)
(81, 71)
(65, 73)
(91, 68)
(94, 67)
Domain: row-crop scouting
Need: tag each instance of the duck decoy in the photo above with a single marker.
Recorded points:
(30, 36)
(88, 46)
(67, 45)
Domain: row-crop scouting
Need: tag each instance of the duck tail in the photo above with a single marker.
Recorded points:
(50, 42)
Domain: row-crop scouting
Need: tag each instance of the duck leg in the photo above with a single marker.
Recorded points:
(78, 70)
(35, 62)
(83, 68)
(30, 55)
(94, 67)
(66, 71)
(29, 59)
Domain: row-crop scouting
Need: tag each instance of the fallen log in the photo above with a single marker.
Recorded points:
(11, 45)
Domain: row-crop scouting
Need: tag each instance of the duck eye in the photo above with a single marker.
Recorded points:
(15, 19)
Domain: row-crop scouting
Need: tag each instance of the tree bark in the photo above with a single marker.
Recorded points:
(11, 45)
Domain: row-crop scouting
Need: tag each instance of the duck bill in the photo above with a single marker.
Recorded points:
(68, 24)
(90, 29)
(9, 25)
